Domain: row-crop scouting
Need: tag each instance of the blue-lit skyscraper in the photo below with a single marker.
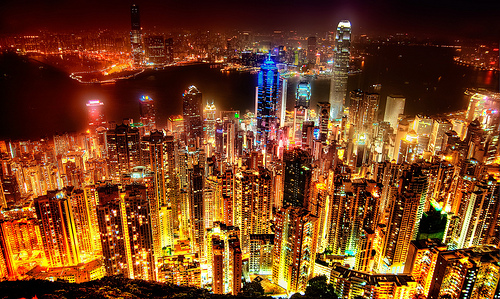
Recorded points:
(268, 95)
(342, 53)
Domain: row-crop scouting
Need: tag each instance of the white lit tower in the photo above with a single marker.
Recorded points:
(303, 97)
(342, 53)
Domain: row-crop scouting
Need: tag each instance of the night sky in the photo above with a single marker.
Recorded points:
(434, 18)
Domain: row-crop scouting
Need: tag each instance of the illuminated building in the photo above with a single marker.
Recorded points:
(20, 245)
(95, 115)
(139, 228)
(123, 150)
(148, 114)
(303, 97)
(193, 117)
(297, 177)
(466, 273)
(323, 121)
(114, 233)
(269, 94)
(224, 256)
(350, 284)
(261, 254)
(80, 273)
(363, 110)
(181, 270)
(421, 262)
(57, 229)
(341, 56)
(311, 50)
(209, 125)
(197, 208)
(394, 107)
(400, 231)
(439, 128)
(155, 49)
(136, 36)
(294, 248)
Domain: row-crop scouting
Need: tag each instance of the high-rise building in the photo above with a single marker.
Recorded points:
(148, 114)
(57, 229)
(268, 96)
(193, 117)
(341, 56)
(311, 50)
(123, 150)
(303, 97)
(136, 36)
(394, 107)
(95, 115)
(297, 177)
(294, 248)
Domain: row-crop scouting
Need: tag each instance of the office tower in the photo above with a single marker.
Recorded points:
(303, 97)
(95, 110)
(148, 114)
(155, 49)
(363, 110)
(323, 120)
(123, 150)
(269, 93)
(341, 56)
(297, 177)
(311, 50)
(400, 231)
(394, 107)
(193, 117)
(136, 36)
(466, 273)
(439, 129)
(197, 209)
(294, 248)
(57, 228)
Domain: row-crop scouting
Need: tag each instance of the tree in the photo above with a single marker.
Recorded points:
(317, 287)
(253, 289)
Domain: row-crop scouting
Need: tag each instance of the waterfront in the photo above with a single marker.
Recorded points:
(39, 99)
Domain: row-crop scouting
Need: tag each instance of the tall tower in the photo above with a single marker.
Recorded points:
(303, 96)
(342, 53)
(298, 174)
(394, 106)
(193, 116)
(123, 150)
(148, 113)
(136, 36)
(268, 94)
(95, 114)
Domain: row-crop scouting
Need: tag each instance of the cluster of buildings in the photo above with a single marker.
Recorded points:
(215, 198)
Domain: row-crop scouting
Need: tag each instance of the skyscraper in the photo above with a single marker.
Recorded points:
(136, 36)
(95, 114)
(268, 95)
(298, 173)
(193, 117)
(148, 113)
(394, 106)
(342, 53)
(303, 96)
(123, 150)
(155, 49)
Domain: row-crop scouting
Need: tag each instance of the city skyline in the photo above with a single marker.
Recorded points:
(460, 19)
(294, 165)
